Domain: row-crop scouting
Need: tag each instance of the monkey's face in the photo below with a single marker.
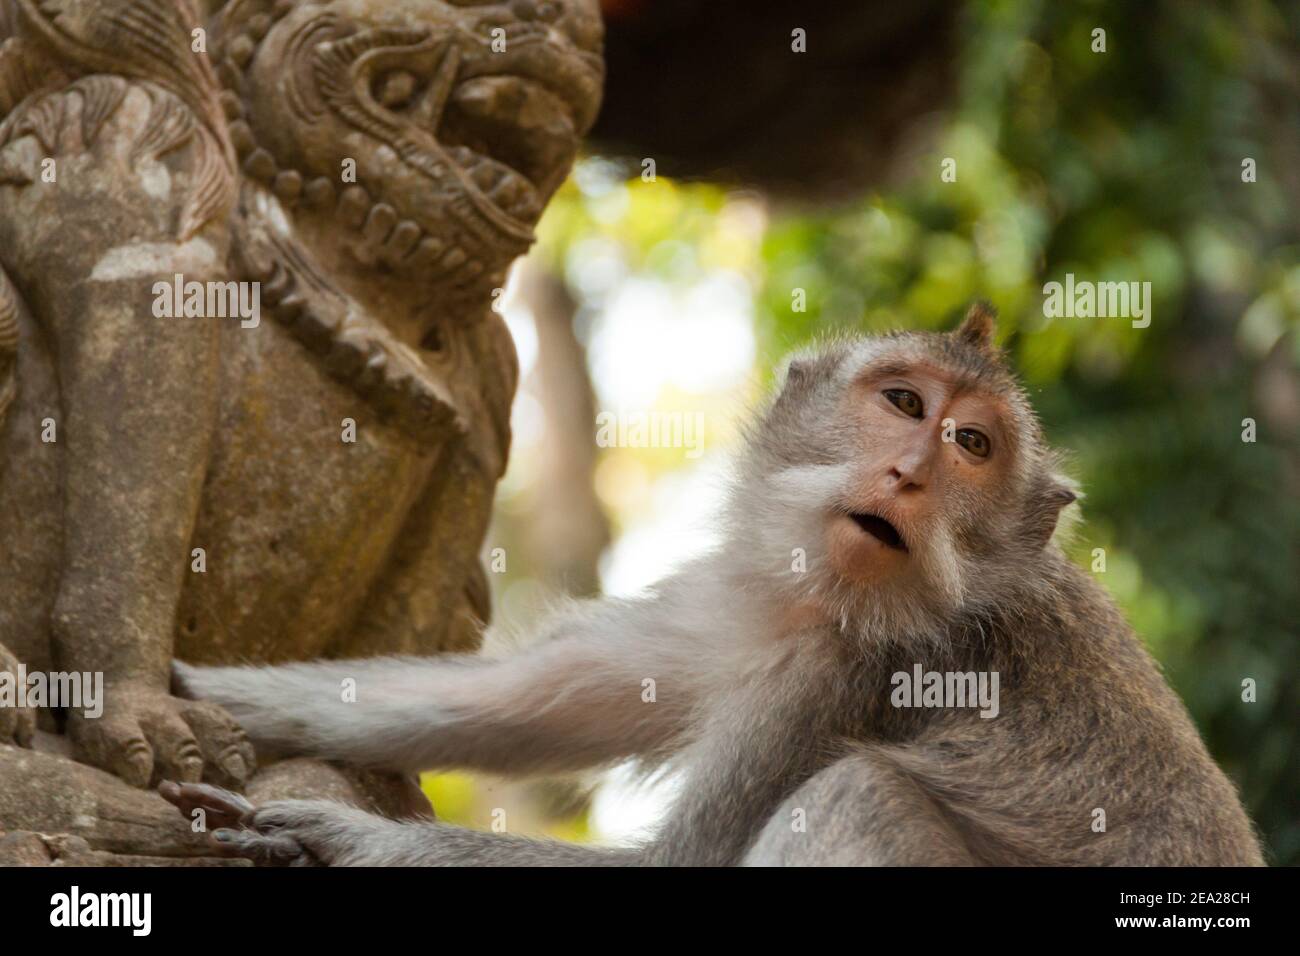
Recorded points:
(925, 454)
(910, 473)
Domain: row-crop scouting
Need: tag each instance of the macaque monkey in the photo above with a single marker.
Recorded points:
(894, 514)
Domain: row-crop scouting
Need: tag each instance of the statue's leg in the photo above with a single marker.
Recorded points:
(31, 465)
(137, 388)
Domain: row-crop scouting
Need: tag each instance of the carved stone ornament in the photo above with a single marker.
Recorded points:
(254, 402)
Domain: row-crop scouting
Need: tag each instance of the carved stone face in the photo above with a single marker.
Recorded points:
(461, 119)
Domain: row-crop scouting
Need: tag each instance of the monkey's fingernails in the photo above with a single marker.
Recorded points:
(226, 841)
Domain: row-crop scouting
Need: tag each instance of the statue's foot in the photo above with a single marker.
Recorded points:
(17, 724)
(147, 735)
(55, 810)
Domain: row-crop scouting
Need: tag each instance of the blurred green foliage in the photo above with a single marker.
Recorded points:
(1126, 165)
(1123, 165)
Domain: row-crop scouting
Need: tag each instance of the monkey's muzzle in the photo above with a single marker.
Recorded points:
(880, 529)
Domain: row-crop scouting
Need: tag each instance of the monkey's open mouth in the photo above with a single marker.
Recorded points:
(880, 529)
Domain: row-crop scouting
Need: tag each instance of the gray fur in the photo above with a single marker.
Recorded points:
(772, 687)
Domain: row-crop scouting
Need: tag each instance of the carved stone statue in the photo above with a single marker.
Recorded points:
(253, 397)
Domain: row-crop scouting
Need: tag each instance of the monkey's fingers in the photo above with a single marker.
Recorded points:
(221, 808)
(264, 849)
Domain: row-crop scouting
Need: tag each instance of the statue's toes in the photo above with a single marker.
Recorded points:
(116, 743)
(228, 757)
(176, 750)
(17, 724)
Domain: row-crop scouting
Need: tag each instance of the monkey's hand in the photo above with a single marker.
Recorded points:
(147, 734)
(17, 724)
(286, 832)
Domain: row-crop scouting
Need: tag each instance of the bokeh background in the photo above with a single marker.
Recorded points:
(677, 295)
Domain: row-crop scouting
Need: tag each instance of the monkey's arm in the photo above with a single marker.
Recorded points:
(581, 698)
(316, 832)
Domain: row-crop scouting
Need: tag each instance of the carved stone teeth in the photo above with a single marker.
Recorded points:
(230, 105)
(319, 193)
(509, 191)
(379, 224)
(373, 373)
(241, 137)
(466, 274)
(527, 207)
(318, 323)
(403, 239)
(260, 165)
(353, 205)
(346, 356)
(453, 258)
(427, 252)
(314, 329)
(241, 50)
(486, 176)
(288, 186)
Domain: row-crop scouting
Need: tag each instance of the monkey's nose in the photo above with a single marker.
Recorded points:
(906, 478)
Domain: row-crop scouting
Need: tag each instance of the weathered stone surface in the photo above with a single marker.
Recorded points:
(373, 166)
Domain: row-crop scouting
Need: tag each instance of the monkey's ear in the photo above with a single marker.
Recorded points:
(978, 326)
(1045, 507)
(798, 368)
(802, 369)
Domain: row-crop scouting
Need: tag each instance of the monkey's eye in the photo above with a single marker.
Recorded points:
(977, 443)
(909, 403)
